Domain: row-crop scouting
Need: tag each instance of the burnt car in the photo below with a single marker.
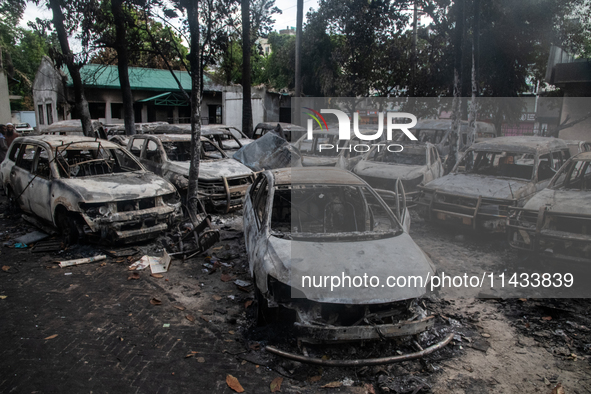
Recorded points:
(439, 133)
(325, 149)
(222, 181)
(74, 127)
(23, 128)
(322, 221)
(291, 132)
(223, 137)
(556, 220)
(490, 178)
(88, 188)
(415, 165)
(235, 132)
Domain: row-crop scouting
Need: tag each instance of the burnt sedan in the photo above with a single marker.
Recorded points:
(222, 181)
(556, 221)
(304, 222)
(490, 178)
(415, 165)
(88, 188)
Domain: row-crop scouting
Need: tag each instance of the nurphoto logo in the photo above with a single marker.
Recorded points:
(344, 122)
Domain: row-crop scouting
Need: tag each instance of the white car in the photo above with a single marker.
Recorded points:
(311, 221)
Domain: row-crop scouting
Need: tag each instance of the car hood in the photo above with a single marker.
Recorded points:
(389, 171)
(479, 185)
(395, 256)
(564, 201)
(215, 169)
(318, 161)
(119, 187)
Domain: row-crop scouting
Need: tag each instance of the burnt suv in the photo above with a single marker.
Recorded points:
(88, 187)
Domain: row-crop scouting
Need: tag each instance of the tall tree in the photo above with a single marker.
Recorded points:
(67, 57)
(246, 85)
(120, 44)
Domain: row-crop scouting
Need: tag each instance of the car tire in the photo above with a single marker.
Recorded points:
(12, 202)
(69, 228)
(262, 315)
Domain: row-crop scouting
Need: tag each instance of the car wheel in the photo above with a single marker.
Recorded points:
(68, 226)
(262, 315)
(11, 198)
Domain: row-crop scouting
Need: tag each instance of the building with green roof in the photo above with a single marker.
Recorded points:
(157, 97)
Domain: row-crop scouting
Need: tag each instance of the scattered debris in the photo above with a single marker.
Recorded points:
(32, 237)
(85, 260)
(51, 336)
(276, 384)
(155, 301)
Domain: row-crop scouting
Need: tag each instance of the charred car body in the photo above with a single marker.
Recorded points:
(416, 165)
(222, 181)
(311, 221)
(88, 187)
(557, 220)
(74, 127)
(490, 178)
(288, 131)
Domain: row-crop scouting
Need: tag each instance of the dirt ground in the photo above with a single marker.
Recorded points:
(100, 328)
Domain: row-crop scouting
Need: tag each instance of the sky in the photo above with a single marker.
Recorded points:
(287, 18)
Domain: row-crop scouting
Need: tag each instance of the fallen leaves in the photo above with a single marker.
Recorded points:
(485, 335)
(133, 275)
(255, 346)
(190, 318)
(51, 336)
(227, 277)
(155, 301)
(200, 359)
(547, 318)
(192, 354)
(558, 389)
(157, 275)
(3, 297)
(276, 384)
(5, 268)
(180, 308)
(247, 304)
(314, 379)
(217, 297)
(332, 385)
(234, 384)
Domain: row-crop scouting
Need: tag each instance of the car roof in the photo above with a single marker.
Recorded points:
(170, 137)
(284, 126)
(583, 156)
(520, 144)
(316, 175)
(72, 125)
(55, 141)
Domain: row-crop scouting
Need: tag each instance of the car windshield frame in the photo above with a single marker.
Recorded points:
(505, 164)
(365, 191)
(559, 180)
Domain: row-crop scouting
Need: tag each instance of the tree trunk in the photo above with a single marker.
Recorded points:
(246, 103)
(81, 104)
(192, 7)
(456, 113)
(123, 65)
(298, 48)
(475, 55)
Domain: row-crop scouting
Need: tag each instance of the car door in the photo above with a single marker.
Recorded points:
(153, 157)
(39, 190)
(20, 175)
(251, 227)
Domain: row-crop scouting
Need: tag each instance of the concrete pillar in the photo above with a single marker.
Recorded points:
(108, 114)
(175, 115)
(144, 113)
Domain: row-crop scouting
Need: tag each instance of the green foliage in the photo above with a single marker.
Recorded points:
(22, 51)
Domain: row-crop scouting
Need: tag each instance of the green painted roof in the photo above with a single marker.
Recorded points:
(100, 76)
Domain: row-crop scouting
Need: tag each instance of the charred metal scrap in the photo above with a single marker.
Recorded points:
(268, 152)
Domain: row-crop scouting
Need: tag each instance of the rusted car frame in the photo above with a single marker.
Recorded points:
(222, 181)
(282, 235)
(88, 187)
(492, 177)
(557, 220)
(74, 127)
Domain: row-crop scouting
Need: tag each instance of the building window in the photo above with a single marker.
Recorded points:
(49, 113)
(40, 114)
(215, 114)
